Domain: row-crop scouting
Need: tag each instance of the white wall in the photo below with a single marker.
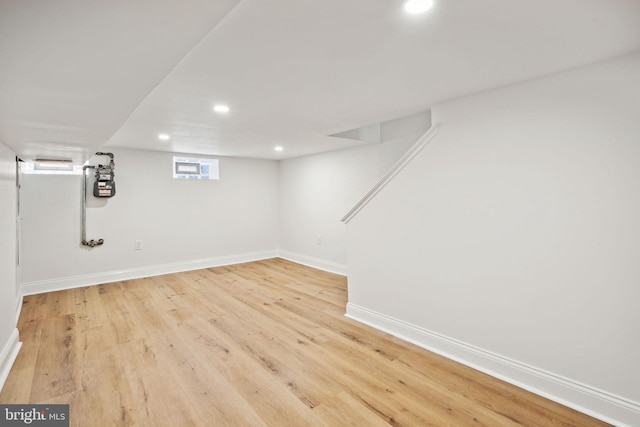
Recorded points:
(182, 224)
(512, 242)
(317, 191)
(9, 343)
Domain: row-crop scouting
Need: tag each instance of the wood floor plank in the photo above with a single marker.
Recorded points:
(257, 344)
(55, 367)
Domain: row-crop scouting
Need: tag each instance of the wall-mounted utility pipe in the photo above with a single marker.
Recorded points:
(101, 168)
(91, 242)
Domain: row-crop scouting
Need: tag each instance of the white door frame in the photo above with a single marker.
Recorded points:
(18, 238)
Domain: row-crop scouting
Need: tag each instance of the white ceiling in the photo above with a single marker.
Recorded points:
(79, 76)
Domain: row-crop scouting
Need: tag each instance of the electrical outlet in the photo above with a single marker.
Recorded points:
(137, 245)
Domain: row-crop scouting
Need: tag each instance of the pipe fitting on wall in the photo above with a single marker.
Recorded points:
(91, 243)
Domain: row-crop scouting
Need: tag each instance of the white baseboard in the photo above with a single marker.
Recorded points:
(8, 356)
(597, 403)
(51, 285)
(320, 264)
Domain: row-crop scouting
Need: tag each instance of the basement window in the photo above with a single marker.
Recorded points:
(195, 168)
(50, 168)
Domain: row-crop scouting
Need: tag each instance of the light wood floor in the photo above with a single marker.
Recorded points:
(257, 344)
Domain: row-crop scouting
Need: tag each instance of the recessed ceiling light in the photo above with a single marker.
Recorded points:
(278, 148)
(164, 137)
(220, 108)
(417, 6)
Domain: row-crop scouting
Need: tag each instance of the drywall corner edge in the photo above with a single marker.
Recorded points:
(583, 398)
(19, 303)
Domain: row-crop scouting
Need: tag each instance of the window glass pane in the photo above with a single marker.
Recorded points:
(195, 168)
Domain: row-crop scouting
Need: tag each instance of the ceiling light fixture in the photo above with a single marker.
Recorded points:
(221, 109)
(164, 137)
(417, 6)
(278, 148)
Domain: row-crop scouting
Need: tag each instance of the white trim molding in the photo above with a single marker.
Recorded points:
(317, 263)
(597, 403)
(413, 151)
(59, 284)
(51, 285)
(8, 356)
